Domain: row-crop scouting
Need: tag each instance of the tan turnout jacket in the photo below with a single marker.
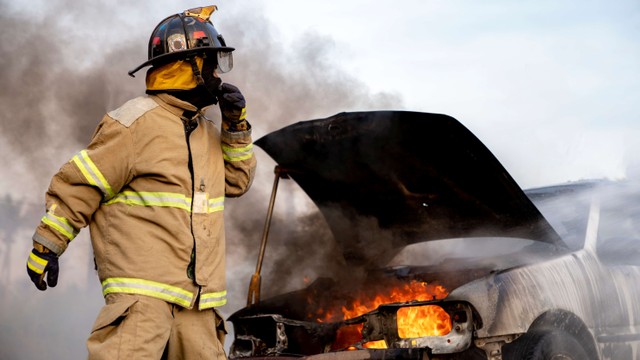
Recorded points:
(154, 200)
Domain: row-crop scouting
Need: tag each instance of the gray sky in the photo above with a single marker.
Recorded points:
(550, 86)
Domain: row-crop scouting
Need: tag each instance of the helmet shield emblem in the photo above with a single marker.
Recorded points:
(176, 42)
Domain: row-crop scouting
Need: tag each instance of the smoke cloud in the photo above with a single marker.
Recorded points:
(65, 64)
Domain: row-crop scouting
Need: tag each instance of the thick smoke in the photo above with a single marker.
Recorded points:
(65, 64)
(284, 84)
(57, 84)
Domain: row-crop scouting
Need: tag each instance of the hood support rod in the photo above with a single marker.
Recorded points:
(253, 297)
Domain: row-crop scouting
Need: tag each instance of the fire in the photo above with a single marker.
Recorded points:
(413, 291)
(413, 321)
(426, 320)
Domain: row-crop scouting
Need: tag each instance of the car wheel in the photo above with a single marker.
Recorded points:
(552, 345)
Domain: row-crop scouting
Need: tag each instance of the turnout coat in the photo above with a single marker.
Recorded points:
(151, 185)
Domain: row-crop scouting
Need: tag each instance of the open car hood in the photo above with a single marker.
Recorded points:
(385, 179)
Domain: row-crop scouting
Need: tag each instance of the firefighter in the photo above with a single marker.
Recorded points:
(151, 186)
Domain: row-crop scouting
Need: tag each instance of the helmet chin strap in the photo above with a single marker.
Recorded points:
(211, 83)
(196, 71)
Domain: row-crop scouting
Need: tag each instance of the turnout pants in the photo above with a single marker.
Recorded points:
(142, 327)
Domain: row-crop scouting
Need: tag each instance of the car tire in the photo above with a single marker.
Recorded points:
(551, 345)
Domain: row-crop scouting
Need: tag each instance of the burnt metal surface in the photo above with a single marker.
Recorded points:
(402, 177)
(262, 334)
(273, 334)
(368, 354)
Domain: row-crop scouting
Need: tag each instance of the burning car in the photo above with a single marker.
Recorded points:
(445, 256)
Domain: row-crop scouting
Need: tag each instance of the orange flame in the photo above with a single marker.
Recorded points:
(413, 291)
(426, 320)
(417, 321)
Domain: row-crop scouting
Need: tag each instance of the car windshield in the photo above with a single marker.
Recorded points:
(620, 215)
(567, 210)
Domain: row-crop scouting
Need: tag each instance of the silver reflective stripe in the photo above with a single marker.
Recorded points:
(216, 204)
(215, 299)
(36, 264)
(237, 153)
(61, 224)
(158, 290)
(164, 199)
(92, 174)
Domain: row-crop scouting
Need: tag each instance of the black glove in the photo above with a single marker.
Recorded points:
(232, 105)
(40, 263)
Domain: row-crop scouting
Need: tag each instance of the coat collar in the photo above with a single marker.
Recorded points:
(173, 104)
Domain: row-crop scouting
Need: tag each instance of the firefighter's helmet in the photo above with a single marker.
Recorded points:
(185, 35)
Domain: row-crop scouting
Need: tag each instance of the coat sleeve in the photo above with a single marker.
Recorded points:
(239, 161)
(92, 176)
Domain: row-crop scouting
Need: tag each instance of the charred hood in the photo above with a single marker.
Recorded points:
(385, 179)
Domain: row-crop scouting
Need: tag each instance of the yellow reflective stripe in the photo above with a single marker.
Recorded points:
(213, 299)
(237, 158)
(237, 153)
(216, 204)
(36, 263)
(229, 149)
(91, 173)
(60, 224)
(212, 304)
(243, 114)
(164, 199)
(154, 289)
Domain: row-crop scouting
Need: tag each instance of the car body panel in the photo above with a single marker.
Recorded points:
(395, 180)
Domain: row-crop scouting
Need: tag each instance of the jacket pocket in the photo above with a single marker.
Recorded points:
(113, 313)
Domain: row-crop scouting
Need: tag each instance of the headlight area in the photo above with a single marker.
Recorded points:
(443, 327)
(438, 327)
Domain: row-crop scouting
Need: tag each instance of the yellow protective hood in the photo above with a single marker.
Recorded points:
(177, 75)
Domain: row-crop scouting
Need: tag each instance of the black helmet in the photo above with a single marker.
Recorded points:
(182, 36)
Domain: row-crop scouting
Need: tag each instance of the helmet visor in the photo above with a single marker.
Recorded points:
(225, 61)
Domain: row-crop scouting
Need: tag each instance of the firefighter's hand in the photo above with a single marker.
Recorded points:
(43, 261)
(232, 106)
